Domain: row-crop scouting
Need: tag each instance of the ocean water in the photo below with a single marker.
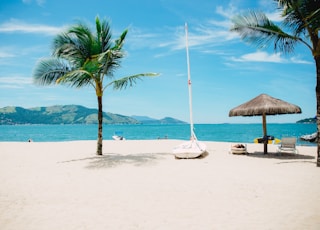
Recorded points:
(206, 132)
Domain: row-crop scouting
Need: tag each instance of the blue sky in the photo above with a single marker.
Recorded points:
(225, 71)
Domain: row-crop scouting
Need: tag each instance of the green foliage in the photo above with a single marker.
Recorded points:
(301, 23)
(308, 121)
(256, 28)
(82, 57)
(130, 81)
(76, 56)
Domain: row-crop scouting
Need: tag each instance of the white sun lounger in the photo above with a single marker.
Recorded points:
(288, 144)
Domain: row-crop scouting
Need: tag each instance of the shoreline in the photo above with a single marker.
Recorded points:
(305, 143)
(211, 132)
(138, 184)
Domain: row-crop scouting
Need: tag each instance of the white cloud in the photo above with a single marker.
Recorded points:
(22, 27)
(299, 61)
(227, 12)
(200, 35)
(20, 56)
(5, 54)
(39, 2)
(271, 10)
(15, 82)
(260, 56)
(275, 16)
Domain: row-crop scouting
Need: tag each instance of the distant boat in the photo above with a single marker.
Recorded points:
(192, 148)
(118, 136)
(310, 137)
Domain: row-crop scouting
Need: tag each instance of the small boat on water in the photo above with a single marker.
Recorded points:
(118, 136)
(271, 140)
(310, 137)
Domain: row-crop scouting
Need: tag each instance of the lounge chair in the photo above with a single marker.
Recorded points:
(288, 144)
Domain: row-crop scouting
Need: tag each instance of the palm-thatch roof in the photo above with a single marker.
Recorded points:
(264, 104)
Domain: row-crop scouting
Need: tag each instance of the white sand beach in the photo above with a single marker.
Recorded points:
(140, 185)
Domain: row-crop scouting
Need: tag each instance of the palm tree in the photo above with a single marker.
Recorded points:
(83, 58)
(301, 24)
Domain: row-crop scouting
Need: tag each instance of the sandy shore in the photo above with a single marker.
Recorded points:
(140, 185)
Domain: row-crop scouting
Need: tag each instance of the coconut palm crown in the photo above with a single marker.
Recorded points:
(81, 58)
(300, 25)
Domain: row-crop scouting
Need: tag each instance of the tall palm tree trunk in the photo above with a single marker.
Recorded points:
(100, 116)
(317, 60)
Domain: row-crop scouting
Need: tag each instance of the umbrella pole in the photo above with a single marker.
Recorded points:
(265, 138)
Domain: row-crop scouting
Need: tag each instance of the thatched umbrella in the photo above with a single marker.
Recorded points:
(263, 105)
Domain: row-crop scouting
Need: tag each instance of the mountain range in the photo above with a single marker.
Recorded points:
(72, 114)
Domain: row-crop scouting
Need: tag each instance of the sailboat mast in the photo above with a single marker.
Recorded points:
(189, 84)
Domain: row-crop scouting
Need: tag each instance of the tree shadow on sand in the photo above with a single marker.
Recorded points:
(283, 156)
(111, 160)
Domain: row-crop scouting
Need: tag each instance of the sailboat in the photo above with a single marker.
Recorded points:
(192, 148)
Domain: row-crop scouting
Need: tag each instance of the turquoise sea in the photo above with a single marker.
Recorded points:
(206, 132)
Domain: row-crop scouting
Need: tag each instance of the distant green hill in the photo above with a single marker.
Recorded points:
(65, 114)
(149, 120)
(308, 120)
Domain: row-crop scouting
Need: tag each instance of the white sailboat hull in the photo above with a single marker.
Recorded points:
(190, 149)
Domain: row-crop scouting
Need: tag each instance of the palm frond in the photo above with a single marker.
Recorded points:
(49, 70)
(82, 33)
(129, 81)
(82, 58)
(283, 3)
(92, 66)
(314, 19)
(256, 28)
(120, 41)
(67, 47)
(110, 61)
(77, 78)
(98, 26)
(293, 18)
(76, 44)
(104, 35)
(301, 16)
(110, 54)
